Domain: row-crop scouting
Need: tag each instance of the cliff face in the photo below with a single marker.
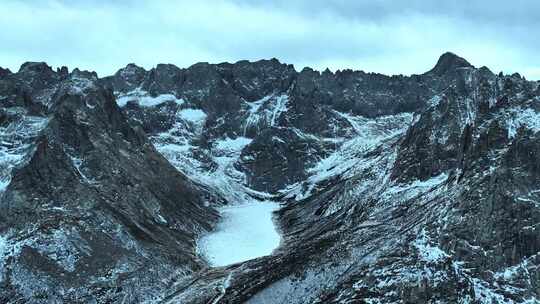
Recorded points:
(393, 189)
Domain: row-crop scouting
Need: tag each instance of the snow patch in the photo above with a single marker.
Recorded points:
(527, 118)
(428, 252)
(435, 100)
(233, 145)
(484, 294)
(144, 99)
(80, 85)
(65, 247)
(245, 232)
(194, 116)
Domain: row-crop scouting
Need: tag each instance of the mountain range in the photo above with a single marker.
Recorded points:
(391, 189)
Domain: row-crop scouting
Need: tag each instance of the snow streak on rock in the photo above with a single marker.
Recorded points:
(527, 118)
(265, 112)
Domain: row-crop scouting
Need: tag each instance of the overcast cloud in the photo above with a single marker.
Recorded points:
(391, 37)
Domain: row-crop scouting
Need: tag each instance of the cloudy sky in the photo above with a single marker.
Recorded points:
(392, 37)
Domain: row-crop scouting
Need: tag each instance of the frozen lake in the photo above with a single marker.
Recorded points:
(245, 232)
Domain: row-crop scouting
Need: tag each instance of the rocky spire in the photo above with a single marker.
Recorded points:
(448, 62)
(130, 70)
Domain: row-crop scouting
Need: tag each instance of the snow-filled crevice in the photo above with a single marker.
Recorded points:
(265, 112)
(245, 232)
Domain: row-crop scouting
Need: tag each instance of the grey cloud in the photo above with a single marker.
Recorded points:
(383, 36)
(499, 12)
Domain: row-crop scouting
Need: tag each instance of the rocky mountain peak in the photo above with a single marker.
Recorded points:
(130, 69)
(4, 72)
(35, 67)
(62, 71)
(449, 62)
(90, 75)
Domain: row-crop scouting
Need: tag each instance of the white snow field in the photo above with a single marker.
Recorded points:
(245, 232)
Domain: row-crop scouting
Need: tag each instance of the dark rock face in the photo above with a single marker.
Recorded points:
(96, 203)
(420, 189)
(4, 72)
(254, 81)
(128, 78)
(279, 157)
